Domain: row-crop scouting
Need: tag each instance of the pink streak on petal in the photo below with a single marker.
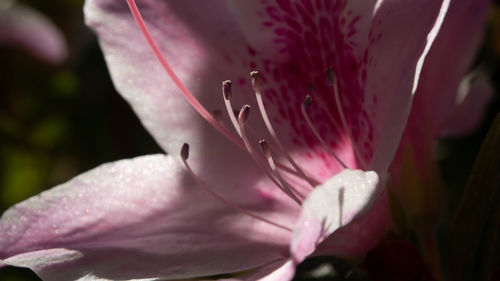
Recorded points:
(194, 43)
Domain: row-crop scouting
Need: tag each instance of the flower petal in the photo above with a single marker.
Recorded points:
(448, 62)
(197, 45)
(328, 207)
(140, 218)
(27, 28)
(474, 95)
(205, 49)
(396, 55)
(355, 239)
(294, 43)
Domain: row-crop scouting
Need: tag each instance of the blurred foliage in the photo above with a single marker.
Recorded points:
(58, 121)
(474, 242)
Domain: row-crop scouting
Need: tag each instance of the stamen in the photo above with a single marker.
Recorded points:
(307, 102)
(287, 188)
(333, 83)
(226, 92)
(233, 114)
(323, 105)
(170, 72)
(244, 112)
(185, 155)
(242, 117)
(185, 92)
(256, 86)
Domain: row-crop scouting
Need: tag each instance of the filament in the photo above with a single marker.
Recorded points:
(333, 82)
(185, 155)
(256, 85)
(307, 102)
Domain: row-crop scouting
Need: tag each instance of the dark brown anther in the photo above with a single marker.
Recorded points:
(255, 80)
(330, 76)
(255, 74)
(307, 101)
(185, 151)
(244, 112)
(226, 89)
(264, 146)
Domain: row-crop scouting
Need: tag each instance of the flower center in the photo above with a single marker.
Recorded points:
(270, 166)
(265, 161)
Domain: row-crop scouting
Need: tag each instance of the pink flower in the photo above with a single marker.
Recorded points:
(24, 27)
(228, 210)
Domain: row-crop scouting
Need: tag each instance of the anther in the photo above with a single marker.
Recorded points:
(330, 76)
(264, 146)
(258, 95)
(334, 84)
(185, 92)
(226, 92)
(184, 154)
(185, 151)
(244, 112)
(308, 101)
(255, 75)
(226, 89)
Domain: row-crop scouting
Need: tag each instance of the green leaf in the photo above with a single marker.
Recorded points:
(475, 232)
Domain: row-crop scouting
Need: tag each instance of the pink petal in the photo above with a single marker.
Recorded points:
(328, 207)
(294, 42)
(196, 44)
(354, 240)
(25, 27)
(448, 61)
(474, 95)
(139, 218)
(206, 48)
(397, 52)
